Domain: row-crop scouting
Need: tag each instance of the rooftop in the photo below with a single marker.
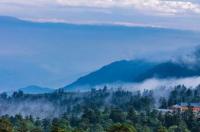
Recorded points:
(187, 104)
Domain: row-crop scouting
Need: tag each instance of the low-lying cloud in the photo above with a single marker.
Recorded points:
(46, 109)
(160, 87)
(37, 108)
(154, 83)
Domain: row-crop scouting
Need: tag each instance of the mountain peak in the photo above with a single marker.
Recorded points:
(119, 71)
(34, 89)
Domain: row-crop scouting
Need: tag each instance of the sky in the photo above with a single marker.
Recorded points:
(56, 55)
(182, 14)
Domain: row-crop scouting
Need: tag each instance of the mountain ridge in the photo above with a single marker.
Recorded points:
(119, 71)
(34, 89)
(134, 74)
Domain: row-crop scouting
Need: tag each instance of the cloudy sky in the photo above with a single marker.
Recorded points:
(184, 14)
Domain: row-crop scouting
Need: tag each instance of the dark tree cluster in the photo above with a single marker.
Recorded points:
(101, 111)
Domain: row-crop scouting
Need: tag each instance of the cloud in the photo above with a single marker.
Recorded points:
(147, 6)
(39, 108)
(160, 87)
(153, 84)
(159, 13)
(159, 6)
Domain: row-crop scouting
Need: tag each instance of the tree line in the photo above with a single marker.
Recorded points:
(103, 110)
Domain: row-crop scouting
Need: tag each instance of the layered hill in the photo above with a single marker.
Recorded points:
(120, 71)
(33, 89)
(134, 72)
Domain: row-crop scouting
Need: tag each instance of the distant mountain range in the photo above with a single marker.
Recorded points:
(33, 89)
(134, 71)
(124, 71)
(54, 43)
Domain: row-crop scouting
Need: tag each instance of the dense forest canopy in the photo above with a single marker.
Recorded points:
(98, 111)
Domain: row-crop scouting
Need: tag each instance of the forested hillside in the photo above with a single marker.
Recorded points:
(101, 110)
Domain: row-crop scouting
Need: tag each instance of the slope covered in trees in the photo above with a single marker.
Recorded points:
(100, 111)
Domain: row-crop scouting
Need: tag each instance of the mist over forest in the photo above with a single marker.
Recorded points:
(54, 104)
(101, 107)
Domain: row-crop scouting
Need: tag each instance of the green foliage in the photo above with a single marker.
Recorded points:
(121, 128)
(5, 125)
(132, 116)
(177, 129)
(117, 115)
(36, 130)
(162, 129)
(105, 111)
(60, 125)
(93, 116)
(21, 126)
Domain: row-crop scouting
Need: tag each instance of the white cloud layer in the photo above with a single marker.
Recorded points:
(160, 6)
(153, 84)
(178, 14)
(156, 6)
